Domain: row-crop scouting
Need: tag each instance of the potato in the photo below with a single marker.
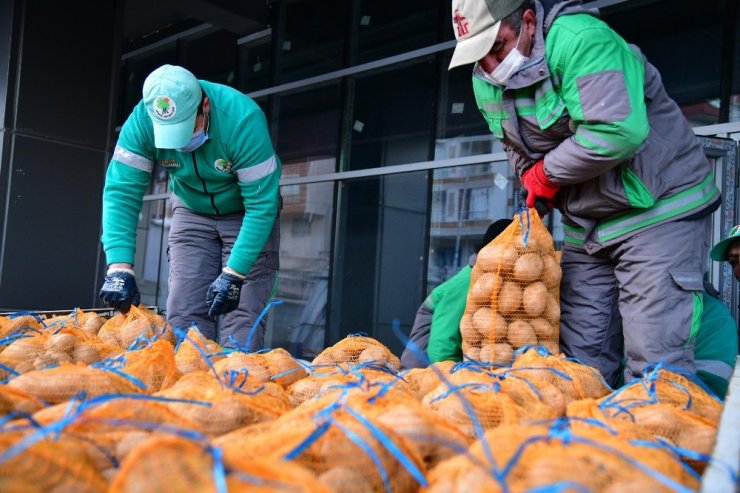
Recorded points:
(552, 311)
(551, 272)
(552, 346)
(489, 323)
(543, 329)
(509, 298)
(520, 333)
(63, 343)
(473, 353)
(497, 257)
(85, 353)
(485, 287)
(534, 299)
(503, 353)
(697, 438)
(658, 419)
(528, 267)
(375, 354)
(468, 331)
(346, 479)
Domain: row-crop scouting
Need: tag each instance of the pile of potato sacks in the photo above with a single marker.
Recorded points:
(159, 416)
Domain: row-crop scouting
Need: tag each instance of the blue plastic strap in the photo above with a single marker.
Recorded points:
(253, 330)
(219, 473)
(114, 365)
(308, 441)
(525, 231)
(389, 445)
(369, 451)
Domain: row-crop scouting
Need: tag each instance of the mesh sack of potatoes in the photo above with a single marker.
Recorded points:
(153, 365)
(421, 381)
(668, 385)
(487, 403)
(276, 365)
(195, 352)
(88, 322)
(179, 463)
(140, 322)
(52, 347)
(574, 379)
(61, 383)
(332, 379)
(355, 349)
(514, 295)
(555, 457)
(677, 426)
(236, 400)
(50, 464)
(345, 448)
(18, 323)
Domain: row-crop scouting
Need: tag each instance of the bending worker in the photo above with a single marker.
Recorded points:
(588, 126)
(224, 237)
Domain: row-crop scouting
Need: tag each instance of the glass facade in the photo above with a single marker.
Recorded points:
(390, 173)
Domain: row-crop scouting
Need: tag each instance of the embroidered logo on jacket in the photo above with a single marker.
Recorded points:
(169, 163)
(164, 107)
(222, 165)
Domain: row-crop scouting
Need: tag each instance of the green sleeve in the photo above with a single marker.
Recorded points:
(127, 178)
(445, 342)
(716, 343)
(601, 80)
(258, 170)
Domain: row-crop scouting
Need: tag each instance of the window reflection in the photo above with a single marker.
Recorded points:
(298, 324)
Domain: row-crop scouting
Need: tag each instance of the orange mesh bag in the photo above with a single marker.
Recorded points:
(47, 465)
(574, 379)
(347, 450)
(196, 353)
(88, 322)
(355, 349)
(59, 384)
(174, 463)
(421, 381)
(514, 296)
(488, 403)
(15, 400)
(284, 368)
(554, 455)
(153, 365)
(13, 324)
(140, 322)
(668, 385)
(255, 364)
(236, 400)
(21, 354)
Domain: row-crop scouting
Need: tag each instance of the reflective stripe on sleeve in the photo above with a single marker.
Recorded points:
(134, 160)
(258, 171)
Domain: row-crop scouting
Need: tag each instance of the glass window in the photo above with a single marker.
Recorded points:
(313, 40)
(393, 118)
(735, 92)
(254, 65)
(687, 51)
(308, 125)
(299, 323)
(389, 27)
(379, 258)
(212, 57)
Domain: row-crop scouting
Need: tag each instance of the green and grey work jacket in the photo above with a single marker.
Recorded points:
(596, 111)
(236, 170)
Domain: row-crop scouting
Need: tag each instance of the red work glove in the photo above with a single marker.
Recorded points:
(538, 185)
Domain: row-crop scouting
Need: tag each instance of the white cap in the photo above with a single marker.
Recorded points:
(476, 24)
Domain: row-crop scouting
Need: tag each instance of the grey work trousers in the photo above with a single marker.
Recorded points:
(652, 277)
(199, 247)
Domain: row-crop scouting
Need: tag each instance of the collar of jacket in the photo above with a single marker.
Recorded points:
(536, 68)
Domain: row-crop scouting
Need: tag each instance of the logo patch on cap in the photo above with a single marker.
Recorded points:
(222, 165)
(164, 107)
(462, 24)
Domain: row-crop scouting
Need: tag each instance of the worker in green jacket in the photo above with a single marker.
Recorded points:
(224, 236)
(588, 127)
(436, 328)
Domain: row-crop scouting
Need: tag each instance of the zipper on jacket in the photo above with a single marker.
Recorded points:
(205, 188)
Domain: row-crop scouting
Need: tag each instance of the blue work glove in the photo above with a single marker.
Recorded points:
(119, 290)
(223, 294)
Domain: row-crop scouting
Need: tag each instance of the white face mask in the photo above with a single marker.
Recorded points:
(508, 66)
